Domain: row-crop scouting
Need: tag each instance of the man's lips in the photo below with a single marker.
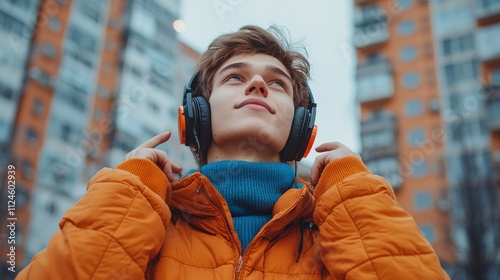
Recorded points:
(255, 101)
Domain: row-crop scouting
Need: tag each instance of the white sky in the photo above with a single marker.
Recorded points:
(323, 26)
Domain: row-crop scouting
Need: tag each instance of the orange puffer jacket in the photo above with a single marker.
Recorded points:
(123, 229)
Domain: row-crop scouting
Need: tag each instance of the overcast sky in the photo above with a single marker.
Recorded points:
(323, 26)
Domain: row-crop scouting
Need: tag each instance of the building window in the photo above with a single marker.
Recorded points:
(12, 25)
(406, 28)
(31, 136)
(82, 39)
(408, 53)
(378, 139)
(460, 71)
(24, 4)
(419, 168)
(90, 12)
(153, 106)
(54, 24)
(27, 169)
(69, 134)
(43, 78)
(6, 92)
(22, 196)
(411, 80)
(458, 44)
(403, 4)
(429, 232)
(136, 71)
(495, 77)
(416, 137)
(414, 108)
(4, 130)
(51, 208)
(48, 50)
(422, 200)
(38, 108)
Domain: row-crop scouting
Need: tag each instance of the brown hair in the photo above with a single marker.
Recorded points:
(251, 39)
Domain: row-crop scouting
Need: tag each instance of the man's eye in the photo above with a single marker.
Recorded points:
(234, 78)
(278, 83)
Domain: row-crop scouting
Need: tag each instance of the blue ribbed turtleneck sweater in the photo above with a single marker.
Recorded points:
(251, 189)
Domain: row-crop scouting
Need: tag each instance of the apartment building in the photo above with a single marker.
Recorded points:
(427, 86)
(81, 84)
(401, 128)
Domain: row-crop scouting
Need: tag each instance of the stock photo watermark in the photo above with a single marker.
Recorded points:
(221, 7)
(11, 219)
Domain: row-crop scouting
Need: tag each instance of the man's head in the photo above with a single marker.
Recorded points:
(253, 40)
(253, 82)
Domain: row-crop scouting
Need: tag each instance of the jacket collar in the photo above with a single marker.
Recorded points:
(201, 205)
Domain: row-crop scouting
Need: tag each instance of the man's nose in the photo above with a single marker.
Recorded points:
(257, 85)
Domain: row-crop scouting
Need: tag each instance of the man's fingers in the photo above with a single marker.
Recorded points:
(168, 171)
(317, 168)
(156, 140)
(329, 146)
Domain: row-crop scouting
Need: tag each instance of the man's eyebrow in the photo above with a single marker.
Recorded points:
(236, 65)
(278, 71)
(241, 65)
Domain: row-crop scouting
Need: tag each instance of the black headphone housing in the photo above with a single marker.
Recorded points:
(198, 125)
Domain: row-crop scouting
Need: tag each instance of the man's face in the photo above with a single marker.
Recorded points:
(252, 104)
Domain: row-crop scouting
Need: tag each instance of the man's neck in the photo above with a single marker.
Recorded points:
(244, 151)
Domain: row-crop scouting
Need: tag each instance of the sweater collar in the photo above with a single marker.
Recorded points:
(250, 187)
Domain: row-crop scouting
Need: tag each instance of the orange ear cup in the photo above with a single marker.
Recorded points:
(311, 140)
(181, 123)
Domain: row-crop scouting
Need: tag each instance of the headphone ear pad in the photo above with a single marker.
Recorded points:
(295, 138)
(203, 122)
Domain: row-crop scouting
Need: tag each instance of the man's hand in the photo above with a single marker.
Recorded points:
(147, 150)
(331, 151)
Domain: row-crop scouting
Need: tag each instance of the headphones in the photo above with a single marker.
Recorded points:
(195, 127)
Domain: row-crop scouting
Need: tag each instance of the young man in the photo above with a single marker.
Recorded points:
(244, 215)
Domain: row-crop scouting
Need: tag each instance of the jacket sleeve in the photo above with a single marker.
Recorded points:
(363, 232)
(113, 231)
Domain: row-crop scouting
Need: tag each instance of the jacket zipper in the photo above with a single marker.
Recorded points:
(223, 214)
(240, 264)
(242, 258)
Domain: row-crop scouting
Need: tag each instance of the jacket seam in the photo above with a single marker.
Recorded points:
(388, 256)
(114, 238)
(360, 235)
(191, 265)
(288, 273)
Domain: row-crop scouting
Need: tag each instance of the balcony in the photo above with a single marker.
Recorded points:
(488, 42)
(387, 167)
(492, 95)
(374, 80)
(487, 8)
(370, 32)
(379, 120)
(378, 135)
